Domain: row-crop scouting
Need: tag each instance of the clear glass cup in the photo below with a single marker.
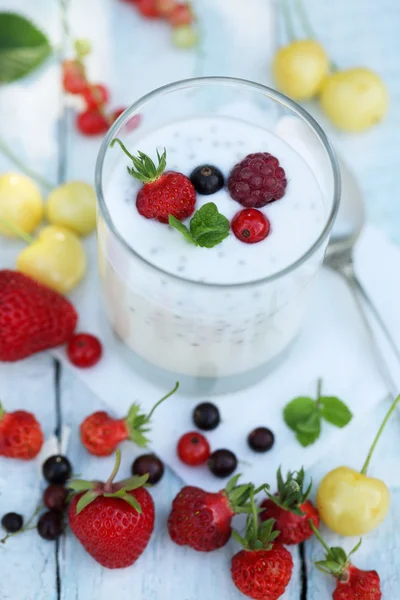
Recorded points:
(213, 338)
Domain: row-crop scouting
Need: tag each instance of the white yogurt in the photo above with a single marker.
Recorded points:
(171, 308)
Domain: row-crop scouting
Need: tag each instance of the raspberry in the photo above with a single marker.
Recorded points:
(257, 180)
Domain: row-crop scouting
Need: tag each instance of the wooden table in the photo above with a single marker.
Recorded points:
(38, 121)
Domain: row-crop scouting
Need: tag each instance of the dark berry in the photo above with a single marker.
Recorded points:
(12, 522)
(51, 525)
(84, 350)
(55, 497)
(57, 469)
(257, 180)
(250, 226)
(222, 463)
(206, 416)
(193, 449)
(207, 179)
(261, 439)
(151, 464)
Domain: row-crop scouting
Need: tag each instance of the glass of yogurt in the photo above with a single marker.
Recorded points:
(220, 318)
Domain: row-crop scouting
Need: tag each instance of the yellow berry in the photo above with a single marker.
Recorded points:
(73, 205)
(300, 68)
(21, 203)
(55, 258)
(185, 36)
(355, 99)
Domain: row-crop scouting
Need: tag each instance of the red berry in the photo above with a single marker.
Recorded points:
(165, 7)
(257, 180)
(130, 125)
(250, 226)
(358, 584)
(180, 15)
(171, 194)
(92, 122)
(148, 8)
(96, 96)
(74, 80)
(193, 449)
(20, 435)
(84, 350)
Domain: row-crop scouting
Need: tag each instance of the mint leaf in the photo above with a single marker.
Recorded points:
(310, 425)
(23, 47)
(299, 409)
(306, 439)
(335, 411)
(208, 227)
(174, 222)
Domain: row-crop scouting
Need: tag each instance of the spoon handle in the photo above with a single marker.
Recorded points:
(363, 300)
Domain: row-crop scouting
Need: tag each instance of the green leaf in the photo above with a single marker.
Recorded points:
(133, 483)
(335, 411)
(131, 500)
(297, 410)
(329, 566)
(79, 485)
(23, 47)
(85, 500)
(174, 222)
(338, 554)
(306, 439)
(312, 424)
(208, 227)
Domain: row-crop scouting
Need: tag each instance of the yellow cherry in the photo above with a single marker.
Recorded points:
(351, 503)
(354, 100)
(300, 68)
(73, 205)
(55, 258)
(21, 204)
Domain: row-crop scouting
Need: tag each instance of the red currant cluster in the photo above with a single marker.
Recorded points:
(178, 14)
(95, 119)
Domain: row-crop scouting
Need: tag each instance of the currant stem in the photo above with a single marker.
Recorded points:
(378, 435)
(115, 469)
(318, 536)
(288, 21)
(26, 526)
(305, 21)
(6, 151)
(17, 230)
(162, 400)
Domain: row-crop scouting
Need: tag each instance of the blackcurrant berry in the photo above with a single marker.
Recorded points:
(207, 179)
(222, 463)
(261, 439)
(57, 469)
(12, 522)
(206, 416)
(151, 464)
(51, 525)
(55, 497)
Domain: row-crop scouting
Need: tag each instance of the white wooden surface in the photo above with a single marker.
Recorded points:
(37, 120)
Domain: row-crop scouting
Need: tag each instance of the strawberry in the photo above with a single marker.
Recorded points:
(202, 520)
(112, 521)
(351, 583)
(20, 435)
(290, 509)
(32, 317)
(101, 433)
(162, 194)
(263, 569)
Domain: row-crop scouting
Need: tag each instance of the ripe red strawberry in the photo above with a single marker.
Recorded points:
(20, 435)
(32, 317)
(112, 521)
(290, 509)
(101, 434)
(351, 583)
(264, 568)
(162, 194)
(202, 520)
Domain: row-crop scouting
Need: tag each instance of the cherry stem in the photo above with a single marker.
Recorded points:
(378, 435)
(115, 469)
(162, 400)
(305, 21)
(26, 526)
(6, 151)
(318, 536)
(17, 230)
(287, 17)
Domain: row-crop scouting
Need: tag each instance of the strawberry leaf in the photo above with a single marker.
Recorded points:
(131, 500)
(79, 485)
(85, 500)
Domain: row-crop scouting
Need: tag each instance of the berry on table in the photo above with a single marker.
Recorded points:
(193, 449)
(257, 180)
(148, 464)
(206, 416)
(185, 36)
(73, 205)
(12, 522)
(51, 525)
(92, 122)
(163, 194)
(147, 8)
(181, 14)
(207, 179)
(250, 226)
(55, 497)
(222, 463)
(74, 78)
(95, 95)
(57, 469)
(84, 350)
(20, 433)
(261, 439)
(21, 204)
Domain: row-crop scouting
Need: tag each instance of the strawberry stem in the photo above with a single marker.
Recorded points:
(162, 400)
(378, 435)
(17, 230)
(115, 470)
(318, 535)
(6, 151)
